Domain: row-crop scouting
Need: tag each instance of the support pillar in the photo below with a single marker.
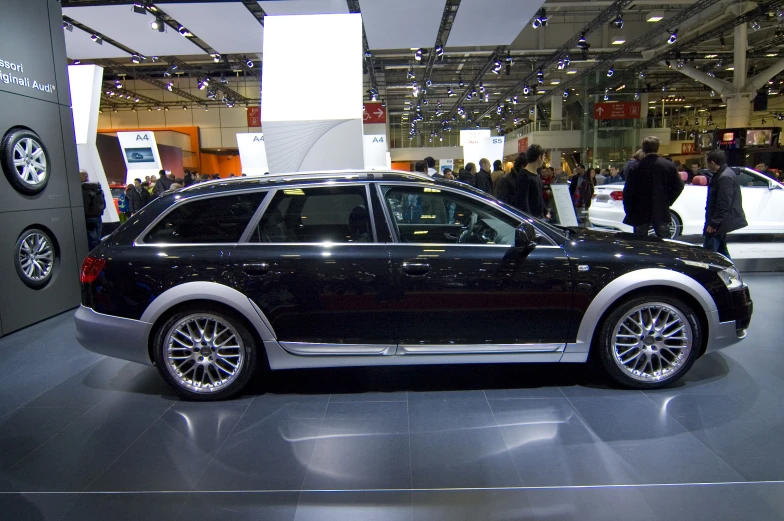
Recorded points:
(741, 45)
(556, 112)
(556, 159)
(738, 110)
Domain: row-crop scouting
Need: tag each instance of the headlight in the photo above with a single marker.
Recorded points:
(730, 276)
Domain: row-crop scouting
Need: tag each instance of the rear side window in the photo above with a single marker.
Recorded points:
(316, 215)
(210, 220)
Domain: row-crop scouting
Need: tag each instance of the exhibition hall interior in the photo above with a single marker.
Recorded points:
(389, 260)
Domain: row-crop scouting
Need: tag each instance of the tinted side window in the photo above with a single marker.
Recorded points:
(315, 215)
(432, 215)
(210, 220)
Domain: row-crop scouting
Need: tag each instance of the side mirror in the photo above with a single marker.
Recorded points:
(525, 238)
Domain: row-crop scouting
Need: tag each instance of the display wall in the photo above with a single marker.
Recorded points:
(42, 228)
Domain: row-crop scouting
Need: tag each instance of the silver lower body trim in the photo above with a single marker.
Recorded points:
(724, 334)
(113, 336)
(311, 349)
(474, 349)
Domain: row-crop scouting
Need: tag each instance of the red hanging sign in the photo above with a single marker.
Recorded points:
(375, 112)
(621, 110)
(254, 116)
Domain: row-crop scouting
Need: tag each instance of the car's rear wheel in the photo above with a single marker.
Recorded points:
(650, 341)
(675, 226)
(205, 354)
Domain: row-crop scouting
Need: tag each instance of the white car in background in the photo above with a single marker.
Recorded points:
(763, 203)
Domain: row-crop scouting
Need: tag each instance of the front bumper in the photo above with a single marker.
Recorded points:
(113, 336)
(732, 324)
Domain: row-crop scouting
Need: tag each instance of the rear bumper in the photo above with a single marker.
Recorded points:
(605, 217)
(113, 336)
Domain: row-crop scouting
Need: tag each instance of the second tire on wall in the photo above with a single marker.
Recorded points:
(35, 257)
(25, 161)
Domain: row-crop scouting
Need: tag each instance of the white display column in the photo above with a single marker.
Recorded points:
(556, 113)
(85, 82)
(311, 103)
(556, 158)
(738, 110)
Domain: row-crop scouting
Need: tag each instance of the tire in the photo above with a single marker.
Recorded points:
(665, 356)
(35, 257)
(25, 161)
(205, 375)
(676, 227)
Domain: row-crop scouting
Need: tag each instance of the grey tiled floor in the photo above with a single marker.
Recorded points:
(85, 437)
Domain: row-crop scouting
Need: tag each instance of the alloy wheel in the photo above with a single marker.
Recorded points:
(30, 161)
(204, 353)
(36, 256)
(652, 342)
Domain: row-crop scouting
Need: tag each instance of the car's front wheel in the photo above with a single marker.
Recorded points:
(650, 341)
(205, 354)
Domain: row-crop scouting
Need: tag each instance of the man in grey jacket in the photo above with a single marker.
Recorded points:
(724, 209)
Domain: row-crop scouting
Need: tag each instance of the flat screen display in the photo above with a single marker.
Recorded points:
(705, 141)
(759, 137)
(139, 155)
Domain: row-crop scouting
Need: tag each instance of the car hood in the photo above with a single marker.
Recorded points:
(585, 243)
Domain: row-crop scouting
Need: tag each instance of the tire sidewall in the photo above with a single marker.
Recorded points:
(249, 364)
(11, 138)
(607, 334)
(34, 284)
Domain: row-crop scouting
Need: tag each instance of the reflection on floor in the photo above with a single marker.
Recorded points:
(86, 437)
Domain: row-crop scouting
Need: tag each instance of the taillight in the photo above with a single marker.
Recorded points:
(91, 268)
(617, 195)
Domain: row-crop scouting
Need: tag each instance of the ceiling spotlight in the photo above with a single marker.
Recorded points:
(368, 54)
(223, 79)
(618, 22)
(166, 109)
(636, 95)
(428, 82)
(567, 60)
(561, 65)
(67, 26)
(170, 86)
(514, 100)
(201, 85)
(418, 55)
(460, 81)
(249, 63)
(582, 43)
(610, 72)
(158, 25)
(540, 76)
(185, 107)
(497, 66)
(468, 97)
(673, 37)
(566, 93)
(136, 100)
(135, 58)
(77, 62)
(642, 74)
(185, 32)
(211, 94)
(680, 64)
(713, 93)
(139, 8)
(410, 74)
(606, 97)
(526, 90)
(450, 92)
(540, 20)
(755, 26)
(481, 87)
(439, 51)
(216, 57)
(97, 39)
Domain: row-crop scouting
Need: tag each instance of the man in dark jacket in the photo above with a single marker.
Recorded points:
(652, 185)
(529, 192)
(162, 184)
(724, 210)
(94, 205)
(483, 179)
(506, 188)
(138, 197)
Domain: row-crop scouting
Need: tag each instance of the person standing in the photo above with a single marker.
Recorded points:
(484, 180)
(162, 184)
(466, 175)
(94, 205)
(431, 166)
(506, 188)
(498, 172)
(124, 205)
(652, 186)
(762, 168)
(530, 192)
(615, 175)
(724, 208)
(138, 197)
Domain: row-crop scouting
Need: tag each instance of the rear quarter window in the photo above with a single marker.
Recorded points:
(209, 220)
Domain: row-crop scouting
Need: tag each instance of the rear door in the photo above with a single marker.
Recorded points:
(460, 285)
(313, 266)
(763, 206)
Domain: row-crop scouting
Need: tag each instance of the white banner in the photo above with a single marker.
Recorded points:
(473, 144)
(375, 147)
(140, 152)
(253, 153)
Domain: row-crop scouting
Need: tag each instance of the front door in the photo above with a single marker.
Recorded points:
(460, 281)
(316, 271)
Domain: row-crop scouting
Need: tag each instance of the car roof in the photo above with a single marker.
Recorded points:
(271, 180)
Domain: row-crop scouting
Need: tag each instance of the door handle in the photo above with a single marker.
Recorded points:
(416, 268)
(255, 268)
